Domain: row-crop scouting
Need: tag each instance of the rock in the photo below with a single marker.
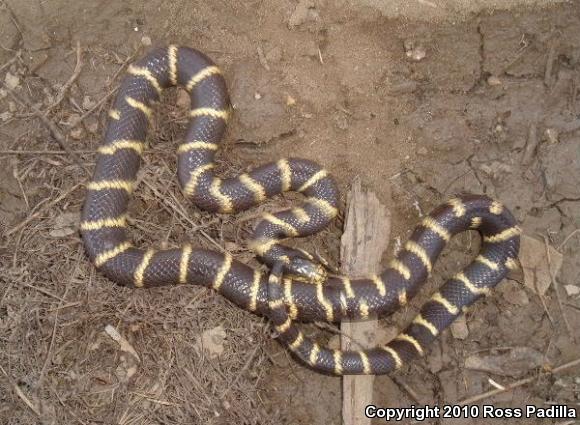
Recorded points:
(65, 224)
(422, 151)
(212, 341)
(551, 135)
(124, 344)
(88, 103)
(459, 328)
(182, 99)
(304, 12)
(341, 121)
(493, 81)
(403, 87)
(290, 101)
(413, 51)
(146, 41)
(72, 120)
(12, 81)
(496, 169)
(76, 133)
(572, 290)
(334, 342)
(126, 368)
(515, 362)
(514, 294)
(534, 263)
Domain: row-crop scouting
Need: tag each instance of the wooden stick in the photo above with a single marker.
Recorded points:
(366, 236)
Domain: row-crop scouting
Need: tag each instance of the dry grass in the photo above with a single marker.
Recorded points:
(58, 364)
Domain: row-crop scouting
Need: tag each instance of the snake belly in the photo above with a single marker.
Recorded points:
(286, 299)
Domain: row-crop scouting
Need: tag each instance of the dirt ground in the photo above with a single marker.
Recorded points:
(420, 109)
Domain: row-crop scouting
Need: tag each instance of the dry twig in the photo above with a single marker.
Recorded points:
(557, 289)
(52, 127)
(64, 89)
(20, 394)
(37, 214)
(517, 384)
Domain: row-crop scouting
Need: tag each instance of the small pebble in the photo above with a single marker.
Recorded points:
(493, 81)
(334, 342)
(551, 136)
(88, 103)
(146, 41)
(414, 52)
(290, 101)
(459, 328)
(417, 54)
(11, 81)
(304, 12)
(72, 120)
(76, 133)
(514, 294)
(257, 96)
(572, 290)
(341, 121)
(182, 99)
(92, 125)
(5, 116)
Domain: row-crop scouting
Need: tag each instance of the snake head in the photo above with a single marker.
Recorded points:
(305, 270)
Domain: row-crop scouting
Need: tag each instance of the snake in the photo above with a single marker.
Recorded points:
(298, 287)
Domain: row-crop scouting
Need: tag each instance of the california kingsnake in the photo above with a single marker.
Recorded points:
(299, 288)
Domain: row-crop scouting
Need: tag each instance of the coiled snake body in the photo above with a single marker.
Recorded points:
(299, 288)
